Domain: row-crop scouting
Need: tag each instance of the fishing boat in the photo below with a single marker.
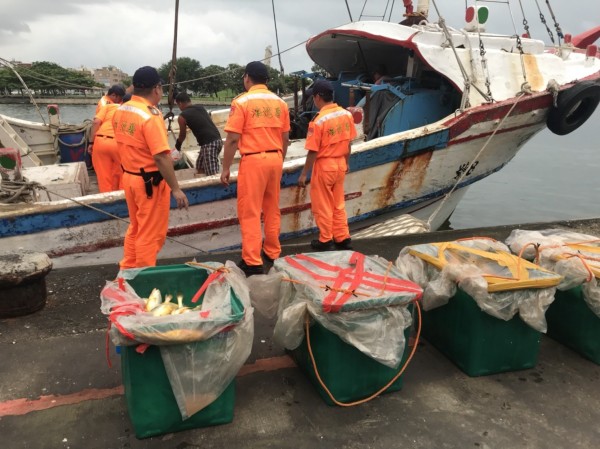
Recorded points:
(457, 105)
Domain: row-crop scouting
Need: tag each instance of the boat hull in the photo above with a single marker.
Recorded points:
(408, 172)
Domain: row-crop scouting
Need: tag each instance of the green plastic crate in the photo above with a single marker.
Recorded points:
(478, 343)
(572, 323)
(349, 374)
(150, 401)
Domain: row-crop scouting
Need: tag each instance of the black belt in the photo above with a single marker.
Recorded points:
(106, 137)
(152, 178)
(260, 152)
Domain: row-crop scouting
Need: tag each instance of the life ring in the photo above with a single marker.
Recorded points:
(573, 107)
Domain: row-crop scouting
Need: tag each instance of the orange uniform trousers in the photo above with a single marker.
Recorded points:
(148, 222)
(258, 186)
(107, 164)
(327, 198)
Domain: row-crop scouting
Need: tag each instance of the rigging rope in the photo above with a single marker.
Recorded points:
(484, 64)
(467, 79)
(277, 38)
(524, 90)
(525, 23)
(349, 13)
(543, 19)
(11, 67)
(559, 32)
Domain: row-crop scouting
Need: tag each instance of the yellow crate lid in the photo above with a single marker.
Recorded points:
(502, 270)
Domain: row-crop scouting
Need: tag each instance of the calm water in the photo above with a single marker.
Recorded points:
(551, 178)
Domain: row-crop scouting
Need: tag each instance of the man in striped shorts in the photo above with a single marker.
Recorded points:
(197, 119)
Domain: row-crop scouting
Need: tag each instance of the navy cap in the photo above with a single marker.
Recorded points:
(320, 87)
(145, 77)
(257, 70)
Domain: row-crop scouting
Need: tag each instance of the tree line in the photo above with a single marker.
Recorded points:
(50, 79)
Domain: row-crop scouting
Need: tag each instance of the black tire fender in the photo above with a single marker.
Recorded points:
(573, 107)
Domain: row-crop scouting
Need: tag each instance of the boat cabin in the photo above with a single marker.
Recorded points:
(410, 95)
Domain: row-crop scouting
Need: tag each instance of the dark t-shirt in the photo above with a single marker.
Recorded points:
(199, 122)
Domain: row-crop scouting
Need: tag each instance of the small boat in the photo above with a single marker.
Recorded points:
(457, 105)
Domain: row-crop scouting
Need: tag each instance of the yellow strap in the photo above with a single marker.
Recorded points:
(518, 267)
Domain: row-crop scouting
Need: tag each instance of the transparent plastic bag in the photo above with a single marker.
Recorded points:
(458, 269)
(200, 372)
(375, 320)
(571, 254)
(203, 349)
(265, 293)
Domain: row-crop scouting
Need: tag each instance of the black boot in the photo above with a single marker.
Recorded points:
(250, 270)
(344, 244)
(322, 246)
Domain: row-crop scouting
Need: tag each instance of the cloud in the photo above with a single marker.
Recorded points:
(132, 33)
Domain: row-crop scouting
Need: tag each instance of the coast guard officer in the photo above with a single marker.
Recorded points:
(149, 177)
(258, 125)
(328, 144)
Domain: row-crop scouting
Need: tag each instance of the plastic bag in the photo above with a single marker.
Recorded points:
(200, 372)
(202, 350)
(373, 319)
(574, 256)
(265, 293)
(465, 264)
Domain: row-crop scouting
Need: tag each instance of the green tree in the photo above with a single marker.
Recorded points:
(319, 70)
(48, 78)
(212, 80)
(188, 70)
(232, 79)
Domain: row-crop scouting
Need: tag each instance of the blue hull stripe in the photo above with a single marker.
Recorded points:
(81, 215)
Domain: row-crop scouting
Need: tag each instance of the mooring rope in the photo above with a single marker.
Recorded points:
(16, 191)
(525, 89)
(29, 186)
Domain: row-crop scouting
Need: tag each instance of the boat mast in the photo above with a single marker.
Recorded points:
(173, 70)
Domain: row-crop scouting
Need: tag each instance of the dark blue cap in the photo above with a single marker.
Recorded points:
(320, 87)
(145, 77)
(257, 71)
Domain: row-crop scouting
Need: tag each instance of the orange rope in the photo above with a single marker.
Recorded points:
(222, 268)
(381, 390)
(585, 264)
(328, 288)
(387, 272)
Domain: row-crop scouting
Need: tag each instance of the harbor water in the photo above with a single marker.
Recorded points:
(551, 178)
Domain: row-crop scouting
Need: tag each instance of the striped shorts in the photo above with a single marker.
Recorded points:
(208, 159)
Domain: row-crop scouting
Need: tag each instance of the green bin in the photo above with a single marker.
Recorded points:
(478, 343)
(349, 374)
(572, 323)
(150, 400)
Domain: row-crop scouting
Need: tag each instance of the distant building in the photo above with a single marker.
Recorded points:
(25, 65)
(109, 75)
(268, 56)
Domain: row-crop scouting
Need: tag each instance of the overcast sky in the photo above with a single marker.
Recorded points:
(132, 33)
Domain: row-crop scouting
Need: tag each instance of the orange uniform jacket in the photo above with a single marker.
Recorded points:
(140, 134)
(260, 117)
(105, 154)
(103, 102)
(329, 134)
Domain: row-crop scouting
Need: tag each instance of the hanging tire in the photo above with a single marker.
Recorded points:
(573, 107)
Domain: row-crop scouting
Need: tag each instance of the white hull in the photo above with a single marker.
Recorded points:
(427, 150)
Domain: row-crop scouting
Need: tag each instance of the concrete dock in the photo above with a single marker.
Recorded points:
(57, 390)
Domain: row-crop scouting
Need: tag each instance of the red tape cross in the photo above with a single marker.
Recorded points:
(355, 275)
(389, 284)
(214, 276)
